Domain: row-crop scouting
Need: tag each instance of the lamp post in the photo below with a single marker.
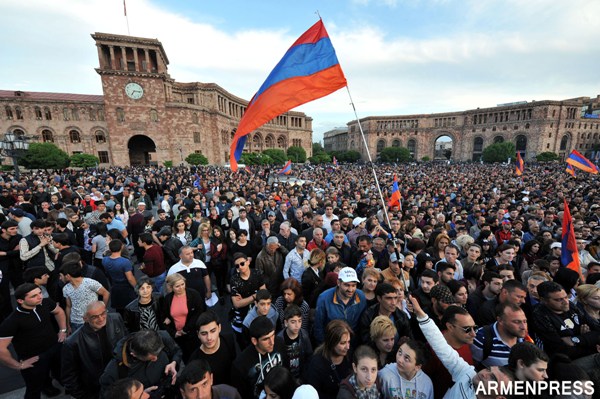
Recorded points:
(14, 146)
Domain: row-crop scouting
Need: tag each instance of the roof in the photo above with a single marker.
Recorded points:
(40, 96)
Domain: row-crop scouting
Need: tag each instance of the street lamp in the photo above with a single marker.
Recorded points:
(14, 146)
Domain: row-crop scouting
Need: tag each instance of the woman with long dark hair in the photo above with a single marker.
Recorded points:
(291, 293)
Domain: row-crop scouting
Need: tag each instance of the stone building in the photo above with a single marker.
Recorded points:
(534, 127)
(144, 116)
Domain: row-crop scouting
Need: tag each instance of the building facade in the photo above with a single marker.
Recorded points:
(534, 127)
(144, 116)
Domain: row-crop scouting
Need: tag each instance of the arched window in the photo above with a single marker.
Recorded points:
(75, 113)
(396, 143)
(498, 139)
(74, 136)
(101, 115)
(257, 143)
(92, 114)
(564, 142)
(269, 141)
(100, 137)
(224, 137)
(412, 148)
(120, 115)
(281, 142)
(47, 136)
(19, 113)
(19, 133)
(9, 112)
(478, 144)
(66, 114)
(380, 146)
(47, 113)
(38, 113)
(195, 118)
(521, 144)
(153, 115)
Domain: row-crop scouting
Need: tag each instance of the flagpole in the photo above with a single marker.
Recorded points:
(362, 133)
(126, 17)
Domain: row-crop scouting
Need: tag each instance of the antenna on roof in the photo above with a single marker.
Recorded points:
(126, 19)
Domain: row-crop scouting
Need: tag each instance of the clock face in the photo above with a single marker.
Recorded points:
(134, 91)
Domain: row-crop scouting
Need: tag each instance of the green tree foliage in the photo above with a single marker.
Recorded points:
(345, 156)
(168, 164)
(317, 148)
(256, 159)
(499, 152)
(44, 156)
(278, 156)
(547, 156)
(425, 158)
(84, 161)
(395, 154)
(296, 154)
(321, 157)
(196, 159)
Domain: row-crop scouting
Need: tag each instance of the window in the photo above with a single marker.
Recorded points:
(269, 142)
(74, 136)
(100, 137)
(224, 137)
(120, 115)
(92, 114)
(498, 139)
(101, 115)
(380, 146)
(281, 142)
(196, 137)
(521, 144)
(478, 145)
(195, 118)
(9, 112)
(38, 113)
(103, 156)
(190, 100)
(412, 147)
(19, 133)
(564, 142)
(153, 115)
(396, 143)
(75, 113)
(19, 113)
(47, 136)
(66, 115)
(47, 113)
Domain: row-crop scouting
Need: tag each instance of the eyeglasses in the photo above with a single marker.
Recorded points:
(240, 264)
(467, 329)
(97, 316)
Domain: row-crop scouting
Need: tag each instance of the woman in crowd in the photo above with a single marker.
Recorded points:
(370, 278)
(219, 259)
(181, 233)
(363, 382)
(181, 308)
(473, 256)
(143, 313)
(505, 254)
(459, 292)
(121, 213)
(382, 334)
(588, 301)
(244, 246)
(439, 245)
(227, 220)
(330, 364)
(202, 245)
(291, 293)
(280, 384)
(313, 275)
(531, 253)
(99, 244)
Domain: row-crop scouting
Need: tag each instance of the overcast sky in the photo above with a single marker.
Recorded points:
(400, 57)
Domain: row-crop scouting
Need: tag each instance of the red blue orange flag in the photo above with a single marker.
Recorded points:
(570, 170)
(308, 71)
(520, 165)
(287, 169)
(247, 168)
(579, 161)
(395, 198)
(335, 163)
(569, 256)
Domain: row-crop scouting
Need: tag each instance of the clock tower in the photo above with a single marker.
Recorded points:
(135, 83)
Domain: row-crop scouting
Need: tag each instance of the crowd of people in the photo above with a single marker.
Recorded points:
(113, 282)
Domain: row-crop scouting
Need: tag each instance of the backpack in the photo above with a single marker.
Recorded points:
(488, 342)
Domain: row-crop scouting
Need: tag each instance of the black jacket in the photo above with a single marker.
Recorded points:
(170, 249)
(82, 359)
(195, 306)
(401, 321)
(132, 313)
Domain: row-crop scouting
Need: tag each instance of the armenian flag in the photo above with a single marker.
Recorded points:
(287, 169)
(579, 161)
(570, 170)
(520, 165)
(308, 71)
(395, 199)
(335, 163)
(569, 256)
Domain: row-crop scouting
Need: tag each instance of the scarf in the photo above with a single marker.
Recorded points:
(369, 393)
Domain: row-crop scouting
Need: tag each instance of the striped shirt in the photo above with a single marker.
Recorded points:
(500, 350)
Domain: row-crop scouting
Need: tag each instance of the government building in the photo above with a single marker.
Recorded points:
(534, 127)
(144, 117)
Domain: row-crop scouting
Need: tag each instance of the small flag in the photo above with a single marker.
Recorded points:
(570, 170)
(581, 162)
(308, 71)
(247, 169)
(569, 256)
(520, 165)
(335, 163)
(395, 199)
(124, 8)
(287, 169)
(197, 180)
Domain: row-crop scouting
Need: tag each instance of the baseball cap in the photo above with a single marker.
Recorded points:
(555, 245)
(357, 221)
(442, 294)
(348, 275)
(17, 212)
(271, 213)
(165, 231)
(394, 258)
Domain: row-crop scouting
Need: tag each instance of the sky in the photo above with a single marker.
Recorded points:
(399, 56)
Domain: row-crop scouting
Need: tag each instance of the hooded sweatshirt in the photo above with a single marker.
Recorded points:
(394, 386)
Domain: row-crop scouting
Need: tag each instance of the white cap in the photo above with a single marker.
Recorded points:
(357, 221)
(555, 245)
(348, 275)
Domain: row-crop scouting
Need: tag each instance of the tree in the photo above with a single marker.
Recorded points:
(425, 158)
(321, 157)
(345, 156)
(296, 154)
(547, 156)
(84, 161)
(168, 164)
(277, 155)
(395, 154)
(196, 159)
(317, 148)
(251, 158)
(499, 152)
(44, 156)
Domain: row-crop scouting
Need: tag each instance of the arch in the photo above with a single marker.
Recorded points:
(38, 113)
(19, 133)
(565, 142)
(396, 143)
(9, 112)
(18, 113)
(74, 136)
(140, 147)
(269, 141)
(477, 148)
(521, 144)
(100, 136)
(195, 118)
(281, 142)
(443, 146)
(380, 146)
(47, 113)
(498, 139)
(47, 136)
(412, 148)
(257, 142)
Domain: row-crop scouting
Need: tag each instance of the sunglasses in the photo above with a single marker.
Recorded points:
(240, 264)
(467, 329)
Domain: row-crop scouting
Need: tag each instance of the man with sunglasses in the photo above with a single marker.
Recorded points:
(89, 349)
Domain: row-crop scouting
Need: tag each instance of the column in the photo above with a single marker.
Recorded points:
(135, 59)
(124, 58)
(147, 54)
(112, 57)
